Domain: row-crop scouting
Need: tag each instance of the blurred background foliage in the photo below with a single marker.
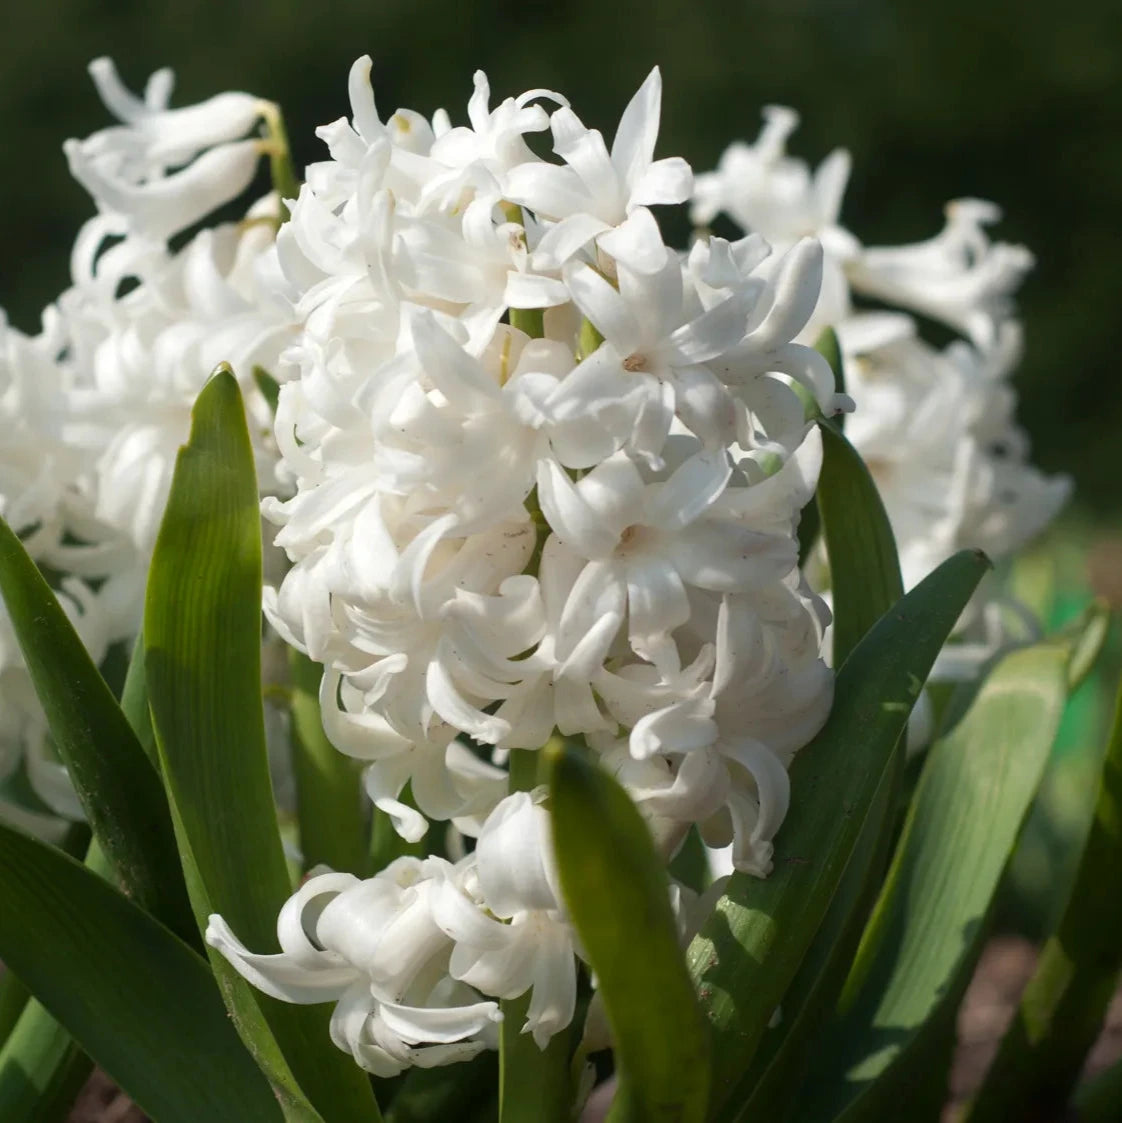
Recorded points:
(1018, 103)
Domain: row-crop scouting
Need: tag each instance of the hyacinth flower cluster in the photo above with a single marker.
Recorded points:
(96, 405)
(547, 475)
(533, 471)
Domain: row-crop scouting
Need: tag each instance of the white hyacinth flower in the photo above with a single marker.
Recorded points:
(936, 427)
(161, 169)
(547, 474)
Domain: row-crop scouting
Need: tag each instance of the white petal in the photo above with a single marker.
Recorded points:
(690, 491)
(417, 1025)
(527, 290)
(636, 242)
(656, 601)
(795, 295)
(165, 206)
(665, 181)
(773, 784)
(278, 975)
(514, 858)
(571, 517)
(634, 144)
(604, 307)
(565, 239)
(451, 705)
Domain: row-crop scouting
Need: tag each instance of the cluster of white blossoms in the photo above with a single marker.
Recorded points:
(534, 471)
(935, 426)
(547, 477)
(95, 407)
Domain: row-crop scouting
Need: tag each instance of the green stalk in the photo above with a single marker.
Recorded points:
(529, 320)
(285, 181)
(1065, 1002)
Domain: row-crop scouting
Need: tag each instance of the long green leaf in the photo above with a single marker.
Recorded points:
(119, 789)
(764, 1090)
(41, 1066)
(750, 949)
(1064, 1005)
(134, 996)
(864, 568)
(919, 950)
(42, 1069)
(333, 829)
(616, 890)
(13, 998)
(202, 632)
(134, 703)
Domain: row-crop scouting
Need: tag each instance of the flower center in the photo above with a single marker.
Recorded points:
(632, 538)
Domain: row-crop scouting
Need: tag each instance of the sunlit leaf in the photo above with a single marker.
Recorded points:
(202, 632)
(751, 948)
(1064, 1005)
(864, 569)
(919, 949)
(616, 890)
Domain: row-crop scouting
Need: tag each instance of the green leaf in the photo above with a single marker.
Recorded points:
(140, 1002)
(269, 387)
(864, 569)
(616, 890)
(1064, 1005)
(134, 703)
(750, 949)
(13, 998)
(920, 947)
(764, 1090)
(119, 789)
(329, 801)
(202, 631)
(41, 1069)
(1088, 634)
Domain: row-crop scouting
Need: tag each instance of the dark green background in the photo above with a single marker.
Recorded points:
(1017, 102)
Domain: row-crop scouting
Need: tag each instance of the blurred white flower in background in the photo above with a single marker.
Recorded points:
(98, 405)
(936, 427)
